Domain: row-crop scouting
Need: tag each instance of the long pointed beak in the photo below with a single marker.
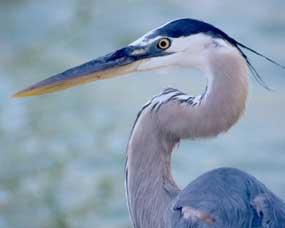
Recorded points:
(120, 62)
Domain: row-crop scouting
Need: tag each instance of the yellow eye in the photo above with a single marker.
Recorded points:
(164, 43)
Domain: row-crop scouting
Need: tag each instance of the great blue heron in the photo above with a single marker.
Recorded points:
(221, 198)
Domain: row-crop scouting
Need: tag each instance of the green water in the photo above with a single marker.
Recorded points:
(62, 155)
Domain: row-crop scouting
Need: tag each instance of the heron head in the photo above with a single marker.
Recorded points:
(183, 42)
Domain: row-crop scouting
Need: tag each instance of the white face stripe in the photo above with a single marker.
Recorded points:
(188, 51)
(185, 49)
(182, 43)
(143, 41)
(189, 42)
(194, 42)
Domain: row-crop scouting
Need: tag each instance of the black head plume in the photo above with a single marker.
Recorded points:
(254, 72)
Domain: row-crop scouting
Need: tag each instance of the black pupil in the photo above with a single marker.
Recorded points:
(163, 44)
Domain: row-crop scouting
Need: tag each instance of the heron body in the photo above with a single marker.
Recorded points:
(222, 198)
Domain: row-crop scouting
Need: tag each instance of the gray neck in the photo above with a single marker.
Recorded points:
(149, 183)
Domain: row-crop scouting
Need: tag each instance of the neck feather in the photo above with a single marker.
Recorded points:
(149, 183)
(225, 98)
(172, 116)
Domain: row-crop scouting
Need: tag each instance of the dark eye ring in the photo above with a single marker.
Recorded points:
(163, 43)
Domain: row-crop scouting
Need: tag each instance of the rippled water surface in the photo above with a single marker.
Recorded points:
(62, 155)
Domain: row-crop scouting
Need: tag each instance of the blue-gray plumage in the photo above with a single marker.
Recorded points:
(231, 198)
(222, 198)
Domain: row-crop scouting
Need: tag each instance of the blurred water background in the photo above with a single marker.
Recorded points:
(62, 155)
